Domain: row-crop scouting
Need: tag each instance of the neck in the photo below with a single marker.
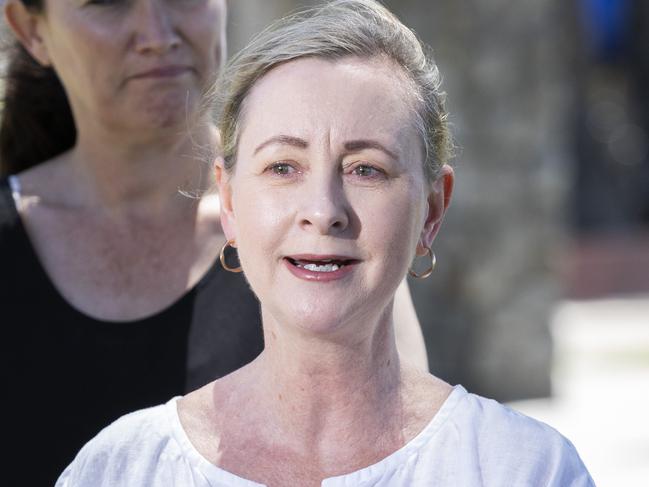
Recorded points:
(323, 389)
(141, 177)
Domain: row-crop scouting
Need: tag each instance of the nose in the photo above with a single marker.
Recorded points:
(154, 27)
(325, 209)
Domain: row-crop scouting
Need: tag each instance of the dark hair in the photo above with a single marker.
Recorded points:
(37, 122)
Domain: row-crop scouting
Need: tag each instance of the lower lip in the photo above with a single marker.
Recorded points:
(163, 73)
(308, 275)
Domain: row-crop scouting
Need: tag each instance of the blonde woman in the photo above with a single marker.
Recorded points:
(334, 179)
(112, 297)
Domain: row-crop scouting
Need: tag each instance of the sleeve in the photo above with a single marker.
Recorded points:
(65, 476)
(124, 453)
(518, 450)
(566, 468)
(90, 468)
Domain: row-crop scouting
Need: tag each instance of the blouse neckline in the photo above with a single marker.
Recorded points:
(358, 478)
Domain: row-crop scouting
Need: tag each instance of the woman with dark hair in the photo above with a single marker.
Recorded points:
(330, 118)
(111, 295)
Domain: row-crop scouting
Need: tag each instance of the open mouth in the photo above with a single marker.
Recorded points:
(324, 265)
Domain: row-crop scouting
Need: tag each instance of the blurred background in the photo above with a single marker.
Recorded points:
(541, 293)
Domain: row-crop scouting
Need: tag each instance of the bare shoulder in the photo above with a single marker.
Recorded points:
(209, 213)
(209, 203)
(43, 184)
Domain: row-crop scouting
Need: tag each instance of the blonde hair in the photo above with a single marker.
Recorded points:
(338, 29)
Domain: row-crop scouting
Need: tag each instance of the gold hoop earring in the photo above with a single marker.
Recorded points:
(229, 243)
(429, 271)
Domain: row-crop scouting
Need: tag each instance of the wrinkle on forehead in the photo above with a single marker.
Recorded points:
(284, 92)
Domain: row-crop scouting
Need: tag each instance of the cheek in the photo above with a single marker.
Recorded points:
(392, 224)
(207, 43)
(207, 33)
(83, 53)
(83, 34)
(261, 223)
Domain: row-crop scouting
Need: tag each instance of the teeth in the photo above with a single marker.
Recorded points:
(322, 268)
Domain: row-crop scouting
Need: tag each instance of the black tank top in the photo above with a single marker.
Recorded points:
(65, 375)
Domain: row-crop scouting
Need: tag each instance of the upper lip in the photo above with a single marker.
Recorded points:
(163, 71)
(322, 257)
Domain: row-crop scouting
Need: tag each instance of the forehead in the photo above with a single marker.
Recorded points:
(216, 7)
(346, 98)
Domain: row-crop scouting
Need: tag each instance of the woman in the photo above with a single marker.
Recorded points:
(111, 298)
(334, 122)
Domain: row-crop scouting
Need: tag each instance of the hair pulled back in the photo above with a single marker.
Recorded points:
(334, 30)
(37, 122)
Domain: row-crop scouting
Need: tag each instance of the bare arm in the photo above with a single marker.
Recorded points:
(410, 339)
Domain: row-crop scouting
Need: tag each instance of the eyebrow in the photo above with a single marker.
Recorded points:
(359, 145)
(283, 140)
(350, 146)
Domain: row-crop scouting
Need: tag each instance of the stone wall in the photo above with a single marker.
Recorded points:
(485, 310)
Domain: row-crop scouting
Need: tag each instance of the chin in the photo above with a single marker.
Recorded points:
(166, 110)
(324, 317)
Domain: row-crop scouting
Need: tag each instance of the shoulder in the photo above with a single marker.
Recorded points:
(494, 421)
(508, 444)
(128, 452)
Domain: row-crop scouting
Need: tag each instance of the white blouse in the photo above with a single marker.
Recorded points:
(471, 441)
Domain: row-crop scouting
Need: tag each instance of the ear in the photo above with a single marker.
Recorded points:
(223, 178)
(438, 201)
(26, 26)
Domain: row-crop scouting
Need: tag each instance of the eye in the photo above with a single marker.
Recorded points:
(367, 171)
(282, 168)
